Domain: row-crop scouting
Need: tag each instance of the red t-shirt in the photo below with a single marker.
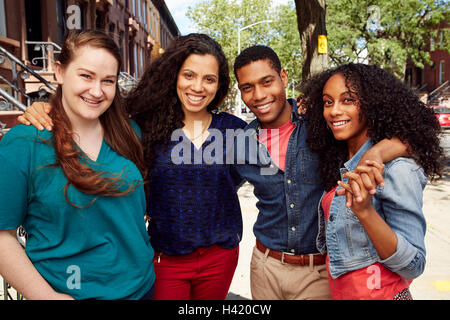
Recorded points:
(276, 141)
(374, 282)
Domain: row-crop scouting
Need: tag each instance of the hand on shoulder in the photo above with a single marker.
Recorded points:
(37, 115)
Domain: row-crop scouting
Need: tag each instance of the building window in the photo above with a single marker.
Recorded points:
(141, 53)
(432, 44)
(136, 64)
(121, 37)
(139, 15)
(408, 77)
(152, 27)
(61, 6)
(157, 29)
(83, 11)
(441, 72)
(145, 16)
(99, 20)
(2, 19)
(111, 30)
(149, 21)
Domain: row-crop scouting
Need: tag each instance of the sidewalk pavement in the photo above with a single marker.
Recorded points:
(433, 284)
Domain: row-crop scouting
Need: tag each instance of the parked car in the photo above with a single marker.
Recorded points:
(443, 116)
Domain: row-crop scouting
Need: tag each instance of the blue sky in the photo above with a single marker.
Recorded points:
(178, 10)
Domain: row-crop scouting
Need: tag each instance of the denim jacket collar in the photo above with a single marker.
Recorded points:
(351, 164)
(287, 200)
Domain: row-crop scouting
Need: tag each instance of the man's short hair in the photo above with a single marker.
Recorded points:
(256, 53)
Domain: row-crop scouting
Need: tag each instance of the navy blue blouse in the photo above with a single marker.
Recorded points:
(193, 201)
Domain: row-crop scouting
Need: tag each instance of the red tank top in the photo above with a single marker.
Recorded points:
(374, 282)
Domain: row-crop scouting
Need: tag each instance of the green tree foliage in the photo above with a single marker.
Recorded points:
(384, 32)
(221, 19)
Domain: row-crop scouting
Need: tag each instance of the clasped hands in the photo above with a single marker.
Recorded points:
(361, 185)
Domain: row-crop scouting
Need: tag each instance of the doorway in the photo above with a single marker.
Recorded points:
(34, 29)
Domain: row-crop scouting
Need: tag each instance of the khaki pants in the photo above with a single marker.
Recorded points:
(272, 280)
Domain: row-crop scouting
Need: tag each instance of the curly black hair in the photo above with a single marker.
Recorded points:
(154, 103)
(256, 53)
(391, 110)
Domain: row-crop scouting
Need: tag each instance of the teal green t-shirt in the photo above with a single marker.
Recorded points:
(100, 252)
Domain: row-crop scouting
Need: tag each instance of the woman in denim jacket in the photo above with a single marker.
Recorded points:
(375, 242)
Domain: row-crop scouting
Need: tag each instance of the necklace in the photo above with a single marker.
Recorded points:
(203, 129)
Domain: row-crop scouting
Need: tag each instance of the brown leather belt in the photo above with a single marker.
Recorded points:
(300, 259)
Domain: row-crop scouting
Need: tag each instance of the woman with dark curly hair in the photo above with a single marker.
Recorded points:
(376, 246)
(195, 218)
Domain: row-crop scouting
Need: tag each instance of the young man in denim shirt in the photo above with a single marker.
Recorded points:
(272, 154)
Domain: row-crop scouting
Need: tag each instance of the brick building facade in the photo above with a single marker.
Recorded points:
(434, 77)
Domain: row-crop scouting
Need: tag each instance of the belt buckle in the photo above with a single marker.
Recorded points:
(282, 256)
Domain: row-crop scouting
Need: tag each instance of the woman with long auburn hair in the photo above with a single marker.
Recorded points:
(78, 191)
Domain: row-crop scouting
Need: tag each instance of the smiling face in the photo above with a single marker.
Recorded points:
(263, 91)
(197, 83)
(88, 83)
(342, 113)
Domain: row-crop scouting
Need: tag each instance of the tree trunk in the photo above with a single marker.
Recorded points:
(311, 23)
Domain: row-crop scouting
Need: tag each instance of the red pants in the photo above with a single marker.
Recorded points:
(205, 274)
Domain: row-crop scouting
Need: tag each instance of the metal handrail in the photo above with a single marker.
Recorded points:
(436, 91)
(128, 77)
(21, 237)
(28, 69)
(16, 89)
(43, 46)
(2, 126)
(44, 43)
(12, 100)
(126, 82)
(7, 294)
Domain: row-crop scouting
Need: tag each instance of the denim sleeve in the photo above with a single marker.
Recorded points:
(401, 200)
